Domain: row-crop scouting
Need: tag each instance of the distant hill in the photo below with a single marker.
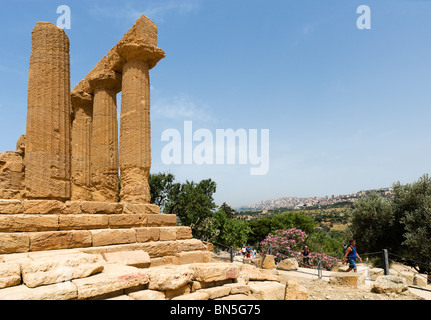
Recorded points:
(298, 203)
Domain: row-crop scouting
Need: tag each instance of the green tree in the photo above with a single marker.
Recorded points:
(412, 204)
(262, 227)
(293, 220)
(402, 225)
(259, 230)
(372, 224)
(230, 213)
(160, 186)
(235, 233)
(193, 204)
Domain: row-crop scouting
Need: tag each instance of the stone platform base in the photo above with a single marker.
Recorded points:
(126, 272)
(40, 225)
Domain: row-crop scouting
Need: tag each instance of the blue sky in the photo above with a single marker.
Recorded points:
(347, 109)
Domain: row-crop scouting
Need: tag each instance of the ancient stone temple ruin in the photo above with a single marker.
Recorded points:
(68, 228)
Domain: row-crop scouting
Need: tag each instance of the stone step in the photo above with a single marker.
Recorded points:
(98, 273)
(11, 223)
(20, 242)
(74, 207)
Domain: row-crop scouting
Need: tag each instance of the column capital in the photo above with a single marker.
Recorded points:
(106, 79)
(81, 99)
(139, 50)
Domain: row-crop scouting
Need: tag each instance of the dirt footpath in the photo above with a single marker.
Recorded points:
(321, 289)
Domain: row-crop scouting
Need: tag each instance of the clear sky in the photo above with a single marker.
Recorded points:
(346, 109)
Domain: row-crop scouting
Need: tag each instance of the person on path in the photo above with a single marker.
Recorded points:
(305, 256)
(351, 256)
(248, 249)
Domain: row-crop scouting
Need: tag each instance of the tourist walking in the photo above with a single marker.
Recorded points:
(351, 256)
(305, 256)
(248, 249)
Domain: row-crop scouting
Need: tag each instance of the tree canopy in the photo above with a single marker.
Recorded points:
(402, 225)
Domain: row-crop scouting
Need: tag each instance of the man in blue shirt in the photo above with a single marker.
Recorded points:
(351, 255)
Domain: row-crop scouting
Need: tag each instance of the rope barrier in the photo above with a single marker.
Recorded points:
(417, 262)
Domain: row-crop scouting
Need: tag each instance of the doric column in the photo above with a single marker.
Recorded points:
(139, 50)
(48, 115)
(82, 105)
(104, 139)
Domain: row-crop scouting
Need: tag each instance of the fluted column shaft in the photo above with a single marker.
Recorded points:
(48, 115)
(81, 148)
(135, 133)
(104, 142)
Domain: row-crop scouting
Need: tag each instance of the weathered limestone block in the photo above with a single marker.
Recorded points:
(376, 272)
(10, 275)
(184, 233)
(72, 207)
(59, 291)
(83, 222)
(148, 295)
(190, 245)
(169, 278)
(294, 291)
(350, 279)
(20, 145)
(241, 297)
(11, 206)
(140, 208)
(238, 288)
(138, 258)
(193, 296)
(113, 278)
(47, 157)
(268, 261)
(390, 284)
(409, 276)
(125, 221)
(161, 220)
(43, 206)
(184, 290)
(421, 280)
(216, 292)
(28, 223)
(267, 290)
(254, 273)
(56, 269)
(40, 241)
(209, 272)
(122, 298)
(168, 234)
(104, 137)
(11, 175)
(94, 207)
(161, 249)
(12, 194)
(289, 264)
(162, 261)
(192, 257)
(14, 243)
(106, 237)
(138, 48)
(82, 124)
(147, 234)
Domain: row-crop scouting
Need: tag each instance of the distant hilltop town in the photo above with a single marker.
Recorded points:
(298, 203)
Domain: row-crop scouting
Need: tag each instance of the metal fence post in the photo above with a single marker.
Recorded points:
(231, 254)
(270, 250)
(385, 262)
(319, 268)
